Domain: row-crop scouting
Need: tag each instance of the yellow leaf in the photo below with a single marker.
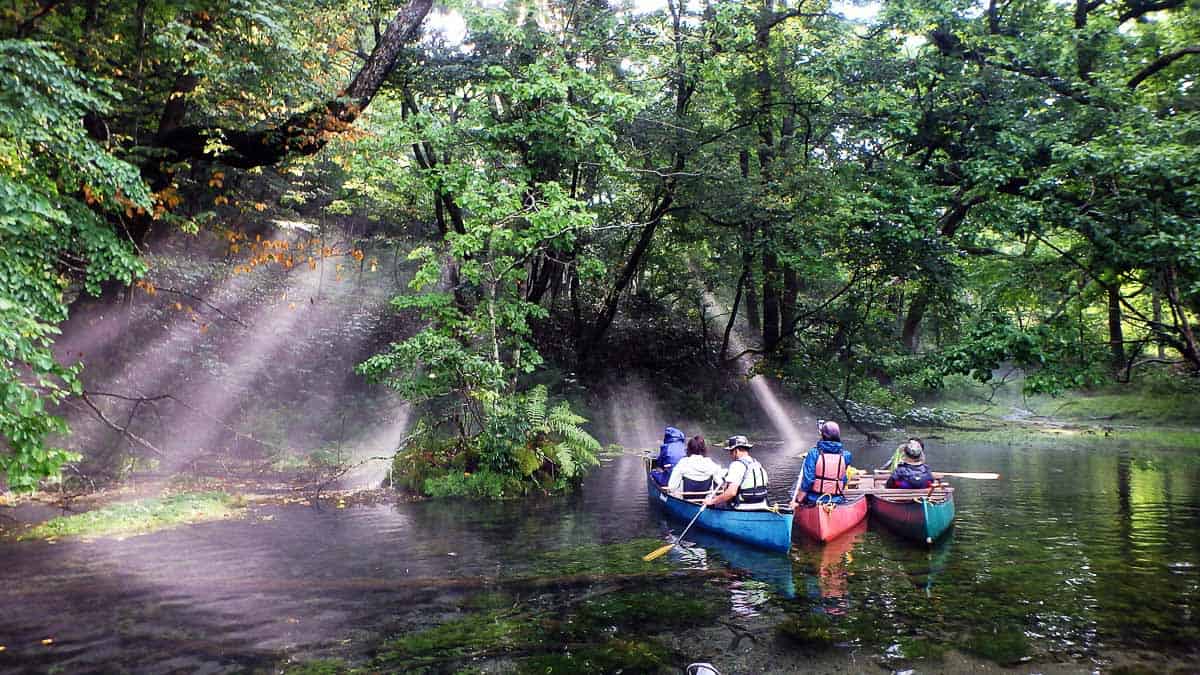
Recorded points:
(259, 206)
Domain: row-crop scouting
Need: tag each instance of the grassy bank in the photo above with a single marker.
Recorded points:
(1166, 402)
(138, 517)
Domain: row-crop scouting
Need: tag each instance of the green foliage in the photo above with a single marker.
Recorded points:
(482, 484)
(1053, 362)
(520, 443)
(146, 515)
(56, 184)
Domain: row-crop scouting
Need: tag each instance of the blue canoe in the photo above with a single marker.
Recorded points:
(770, 530)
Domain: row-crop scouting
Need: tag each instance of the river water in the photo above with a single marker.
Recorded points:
(1085, 553)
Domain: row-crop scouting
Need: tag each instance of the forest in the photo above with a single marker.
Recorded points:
(878, 199)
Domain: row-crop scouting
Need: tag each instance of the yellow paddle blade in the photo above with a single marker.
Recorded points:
(658, 552)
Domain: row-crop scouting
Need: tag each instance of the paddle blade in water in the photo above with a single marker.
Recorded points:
(658, 552)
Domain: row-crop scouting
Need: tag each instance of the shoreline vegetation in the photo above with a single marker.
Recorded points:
(1116, 417)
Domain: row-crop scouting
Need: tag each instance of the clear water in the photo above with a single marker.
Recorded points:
(1081, 550)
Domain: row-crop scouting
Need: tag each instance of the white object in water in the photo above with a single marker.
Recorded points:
(702, 669)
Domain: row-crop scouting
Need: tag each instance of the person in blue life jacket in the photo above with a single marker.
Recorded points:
(823, 475)
(669, 453)
(745, 479)
(696, 474)
(909, 471)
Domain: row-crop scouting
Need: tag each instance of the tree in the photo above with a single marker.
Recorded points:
(56, 187)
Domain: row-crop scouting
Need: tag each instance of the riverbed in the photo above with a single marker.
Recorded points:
(1084, 556)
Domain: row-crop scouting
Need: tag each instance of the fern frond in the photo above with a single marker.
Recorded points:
(566, 462)
(535, 408)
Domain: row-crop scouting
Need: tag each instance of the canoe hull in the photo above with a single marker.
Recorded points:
(763, 529)
(826, 524)
(918, 519)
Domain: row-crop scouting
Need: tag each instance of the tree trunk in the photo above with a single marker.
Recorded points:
(1156, 307)
(910, 333)
(787, 306)
(770, 299)
(748, 248)
(304, 133)
(733, 312)
(1116, 335)
(1189, 348)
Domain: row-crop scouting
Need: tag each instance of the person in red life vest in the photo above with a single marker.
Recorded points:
(824, 471)
(910, 471)
(695, 474)
(745, 479)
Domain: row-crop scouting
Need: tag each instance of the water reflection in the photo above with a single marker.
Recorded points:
(1079, 550)
(827, 577)
(771, 569)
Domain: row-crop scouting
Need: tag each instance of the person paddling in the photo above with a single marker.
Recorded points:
(823, 475)
(745, 480)
(909, 470)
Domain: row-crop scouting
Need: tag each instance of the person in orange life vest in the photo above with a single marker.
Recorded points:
(824, 470)
(910, 472)
(696, 473)
(745, 480)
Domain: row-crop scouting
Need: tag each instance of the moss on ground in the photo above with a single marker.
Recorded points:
(138, 517)
(1006, 647)
(614, 656)
(317, 667)
(488, 633)
(922, 648)
(640, 612)
(808, 631)
(599, 559)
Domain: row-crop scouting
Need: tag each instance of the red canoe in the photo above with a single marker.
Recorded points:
(827, 522)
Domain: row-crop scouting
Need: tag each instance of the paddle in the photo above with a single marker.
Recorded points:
(658, 552)
(976, 476)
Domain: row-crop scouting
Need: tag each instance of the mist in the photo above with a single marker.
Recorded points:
(214, 365)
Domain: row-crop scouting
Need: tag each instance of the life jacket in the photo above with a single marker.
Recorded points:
(690, 485)
(830, 470)
(753, 489)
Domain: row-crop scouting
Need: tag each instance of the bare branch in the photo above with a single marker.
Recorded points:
(124, 431)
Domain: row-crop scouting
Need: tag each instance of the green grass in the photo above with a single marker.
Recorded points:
(1167, 402)
(146, 515)
(1132, 406)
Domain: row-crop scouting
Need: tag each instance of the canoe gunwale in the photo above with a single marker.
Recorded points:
(769, 529)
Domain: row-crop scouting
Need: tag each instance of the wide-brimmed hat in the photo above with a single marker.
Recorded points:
(735, 442)
(913, 452)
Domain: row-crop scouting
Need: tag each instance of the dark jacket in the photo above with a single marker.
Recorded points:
(910, 477)
(673, 448)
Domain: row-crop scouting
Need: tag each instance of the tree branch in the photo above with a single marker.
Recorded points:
(1160, 63)
(124, 431)
(305, 132)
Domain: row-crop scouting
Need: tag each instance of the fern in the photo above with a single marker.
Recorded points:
(535, 409)
(566, 462)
